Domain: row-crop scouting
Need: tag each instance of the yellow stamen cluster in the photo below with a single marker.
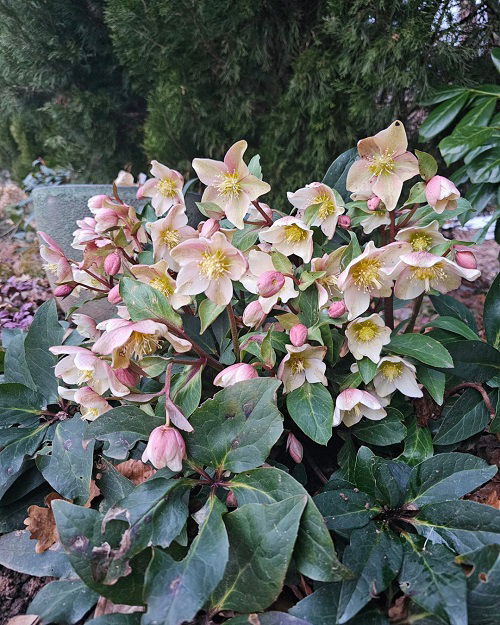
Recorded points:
(428, 274)
(85, 375)
(391, 370)
(170, 237)
(166, 188)
(420, 241)
(230, 185)
(163, 285)
(214, 264)
(294, 233)
(92, 412)
(51, 267)
(382, 164)
(366, 274)
(366, 331)
(327, 208)
(143, 344)
(297, 363)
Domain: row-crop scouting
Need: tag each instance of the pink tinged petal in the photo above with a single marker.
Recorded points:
(67, 349)
(148, 189)
(350, 418)
(468, 274)
(220, 291)
(236, 208)
(190, 250)
(234, 156)
(53, 245)
(190, 281)
(407, 287)
(406, 166)
(390, 255)
(315, 372)
(209, 171)
(347, 399)
(393, 139)
(370, 400)
(407, 384)
(254, 187)
(359, 177)
(110, 341)
(179, 345)
(356, 301)
(374, 415)
(176, 416)
(238, 266)
(302, 198)
(388, 187)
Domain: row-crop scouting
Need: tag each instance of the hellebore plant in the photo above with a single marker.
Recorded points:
(265, 423)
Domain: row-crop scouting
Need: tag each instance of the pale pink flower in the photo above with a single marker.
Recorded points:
(124, 179)
(254, 315)
(165, 448)
(114, 296)
(258, 264)
(384, 166)
(157, 276)
(112, 263)
(366, 336)
(229, 183)
(86, 233)
(375, 219)
(327, 284)
(301, 364)
(92, 405)
(441, 194)
(168, 232)
(421, 238)
(290, 235)
(85, 326)
(396, 374)
(209, 265)
(112, 214)
(127, 377)
(165, 189)
(96, 201)
(332, 205)
(353, 404)
(63, 290)
(298, 334)
(56, 261)
(124, 339)
(238, 372)
(419, 272)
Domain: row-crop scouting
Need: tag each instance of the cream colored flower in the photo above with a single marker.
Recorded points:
(165, 189)
(158, 277)
(353, 404)
(168, 232)
(302, 364)
(290, 235)
(332, 205)
(421, 238)
(366, 336)
(374, 219)
(327, 285)
(396, 374)
(92, 405)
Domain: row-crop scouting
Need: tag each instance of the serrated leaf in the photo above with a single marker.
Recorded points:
(311, 407)
(421, 347)
(448, 306)
(145, 302)
(65, 602)
(461, 418)
(491, 316)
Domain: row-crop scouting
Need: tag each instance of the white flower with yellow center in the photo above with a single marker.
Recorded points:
(419, 272)
(366, 336)
(168, 232)
(290, 235)
(158, 277)
(92, 405)
(327, 284)
(367, 275)
(331, 205)
(353, 404)
(396, 374)
(301, 364)
(374, 219)
(165, 189)
(421, 238)
(230, 185)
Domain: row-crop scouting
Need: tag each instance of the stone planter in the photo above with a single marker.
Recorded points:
(56, 210)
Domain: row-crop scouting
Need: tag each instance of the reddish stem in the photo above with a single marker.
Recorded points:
(479, 388)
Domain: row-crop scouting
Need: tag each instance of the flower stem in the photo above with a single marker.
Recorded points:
(389, 311)
(407, 218)
(268, 220)
(414, 313)
(234, 331)
(480, 389)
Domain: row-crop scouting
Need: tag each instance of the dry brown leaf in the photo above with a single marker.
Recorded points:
(25, 619)
(135, 470)
(41, 523)
(94, 492)
(105, 606)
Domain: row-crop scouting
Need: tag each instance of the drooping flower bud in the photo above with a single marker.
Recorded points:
(294, 448)
(63, 290)
(344, 222)
(114, 296)
(97, 201)
(298, 335)
(337, 309)
(465, 258)
(112, 263)
(231, 500)
(127, 377)
(235, 373)
(441, 194)
(373, 203)
(270, 282)
(253, 315)
(209, 227)
(165, 448)
(86, 326)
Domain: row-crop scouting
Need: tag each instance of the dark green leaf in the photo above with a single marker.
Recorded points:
(345, 510)
(443, 94)
(145, 302)
(112, 484)
(492, 314)
(208, 313)
(421, 347)
(64, 602)
(442, 116)
(13, 455)
(474, 360)
(461, 418)
(311, 407)
(388, 431)
(462, 141)
(485, 167)
(367, 369)
(19, 404)
(17, 552)
(186, 391)
(434, 381)
(427, 164)
(308, 305)
(117, 619)
(336, 175)
(16, 367)
(267, 618)
(418, 443)
(452, 324)
(483, 584)
(448, 306)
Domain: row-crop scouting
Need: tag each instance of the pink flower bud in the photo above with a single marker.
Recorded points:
(344, 222)
(97, 201)
(270, 282)
(209, 227)
(465, 258)
(337, 309)
(114, 296)
(298, 335)
(112, 263)
(441, 194)
(127, 377)
(253, 315)
(63, 290)
(373, 203)
(231, 500)
(165, 448)
(294, 448)
(235, 373)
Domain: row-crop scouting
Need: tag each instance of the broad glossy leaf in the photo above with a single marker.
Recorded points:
(447, 476)
(483, 584)
(15, 365)
(13, 455)
(388, 431)
(367, 369)
(375, 556)
(461, 418)
(186, 392)
(311, 407)
(314, 553)
(434, 381)
(421, 347)
(308, 305)
(452, 324)
(237, 427)
(17, 552)
(208, 313)
(145, 302)
(474, 360)
(244, 239)
(345, 509)
(176, 590)
(65, 602)
(448, 306)
(19, 404)
(433, 581)
(485, 167)
(463, 140)
(492, 314)
(441, 95)
(117, 619)
(418, 443)
(261, 542)
(336, 175)
(112, 484)
(442, 116)
(427, 165)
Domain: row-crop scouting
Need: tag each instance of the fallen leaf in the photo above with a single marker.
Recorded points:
(105, 606)
(25, 619)
(135, 470)
(94, 492)
(41, 523)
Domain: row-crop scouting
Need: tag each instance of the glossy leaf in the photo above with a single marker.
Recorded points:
(492, 314)
(418, 443)
(388, 431)
(64, 602)
(336, 175)
(442, 116)
(19, 404)
(367, 369)
(17, 552)
(145, 302)
(14, 454)
(434, 381)
(208, 313)
(345, 510)
(474, 361)
(452, 324)
(421, 347)
(461, 418)
(311, 407)
(483, 585)
(448, 306)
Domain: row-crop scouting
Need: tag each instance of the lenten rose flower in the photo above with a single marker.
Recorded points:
(368, 275)
(164, 189)
(56, 261)
(441, 194)
(157, 276)
(327, 284)
(290, 235)
(209, 265)
(301, 364)
(421, 238)
(92, 405)
(260, 263)
(230, 185)
(331, 205)
(85, 326)
(419, 272)
(165, 448)
(383, 166)
(353, 404)
(124, 339)
(366, 336)
(374, 219)
(238, 372)
(396, 374)
(168, 232)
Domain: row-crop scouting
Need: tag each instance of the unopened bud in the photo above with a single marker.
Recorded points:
(165, 448)
(466, 259)
(373, 203)
(298, 335)
(253, 315)
(344, 222)
(294, 448)
(337, 309)
(231, 501)
(63, 290)
(114, 296)
(127, 377)
(270, 283)
(112, 263)
(235, 373)
(209, 227)
(97, 201)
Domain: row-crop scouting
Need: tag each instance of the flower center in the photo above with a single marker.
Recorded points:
(366, 331)
(51, 267)
(214, 264)
(382, 164)
(297, 363)
(428, 274)
(85, 375)
(294, 233)
(143, 344)
(166, 188)
(366, 274)
(163, 285)
(170, 238)
(421, 242)
(327, 207)
(92, 412)
(230, 185)
(391, 370)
